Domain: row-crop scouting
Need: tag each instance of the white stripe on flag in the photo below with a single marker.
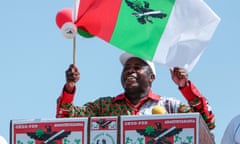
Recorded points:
(189, 29)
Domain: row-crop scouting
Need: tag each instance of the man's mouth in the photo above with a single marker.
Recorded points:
(130, 79)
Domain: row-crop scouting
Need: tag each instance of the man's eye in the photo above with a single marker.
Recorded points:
(125, 68)
(137, 67)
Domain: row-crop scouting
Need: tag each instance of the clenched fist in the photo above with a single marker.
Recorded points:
(72, 76)
(179, 76)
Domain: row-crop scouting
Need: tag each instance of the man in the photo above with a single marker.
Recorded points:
(232, 132)
(138, 98)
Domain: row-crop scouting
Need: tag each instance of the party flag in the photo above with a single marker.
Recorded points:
(169, 32)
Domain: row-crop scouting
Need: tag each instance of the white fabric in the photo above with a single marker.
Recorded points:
(171, 105)
(232, 132)
(188, 31)
(2, 140)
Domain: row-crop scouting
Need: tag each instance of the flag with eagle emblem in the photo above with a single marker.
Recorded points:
(169, 32)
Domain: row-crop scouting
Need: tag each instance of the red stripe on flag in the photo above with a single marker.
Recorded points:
(98, 17)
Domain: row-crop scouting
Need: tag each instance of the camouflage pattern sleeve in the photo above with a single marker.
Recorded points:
(198, 103)
(66, 108)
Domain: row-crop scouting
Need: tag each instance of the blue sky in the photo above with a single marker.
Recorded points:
(34, 56)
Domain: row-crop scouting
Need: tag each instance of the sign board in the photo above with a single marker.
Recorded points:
(49, 131)
(167, 128)
(103, 130)
(188, 128)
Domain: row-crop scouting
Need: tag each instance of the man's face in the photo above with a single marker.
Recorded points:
(136, 76)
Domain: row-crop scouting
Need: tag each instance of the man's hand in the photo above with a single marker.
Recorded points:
(72, 77)
(179, 76)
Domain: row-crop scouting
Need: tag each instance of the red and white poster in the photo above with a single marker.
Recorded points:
(50, 131)
(159, 129)
(103, 130)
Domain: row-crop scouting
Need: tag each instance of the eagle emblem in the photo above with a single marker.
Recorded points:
(48, 136)
(158, 135)
(143, 12)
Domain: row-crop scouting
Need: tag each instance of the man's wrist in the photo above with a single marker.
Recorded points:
(69, 87)
(184, 85)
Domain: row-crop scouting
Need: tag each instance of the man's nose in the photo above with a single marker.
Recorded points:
(131, 70)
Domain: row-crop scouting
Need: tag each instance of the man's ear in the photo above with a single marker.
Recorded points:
(152, 77)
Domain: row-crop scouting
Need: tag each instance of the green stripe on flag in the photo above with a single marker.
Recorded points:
(140, 35)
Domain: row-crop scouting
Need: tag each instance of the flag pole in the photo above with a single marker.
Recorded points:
(76, 2)
(74, 50)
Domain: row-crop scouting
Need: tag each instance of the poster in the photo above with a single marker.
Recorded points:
(160, 129)
(49, 131)
(103, 130)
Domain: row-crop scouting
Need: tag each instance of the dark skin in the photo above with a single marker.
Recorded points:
(136, 79)
(72, 77)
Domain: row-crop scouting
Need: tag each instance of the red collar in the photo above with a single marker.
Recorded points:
(150, 95)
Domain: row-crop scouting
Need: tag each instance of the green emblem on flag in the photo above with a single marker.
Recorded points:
(143, 12)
